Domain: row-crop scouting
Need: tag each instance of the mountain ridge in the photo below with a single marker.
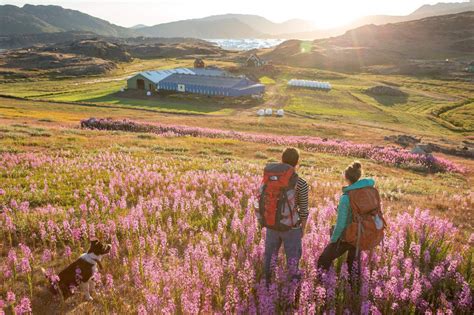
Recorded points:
(444, 37)
(32, 19)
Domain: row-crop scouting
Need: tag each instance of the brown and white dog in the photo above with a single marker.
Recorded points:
(80, 272)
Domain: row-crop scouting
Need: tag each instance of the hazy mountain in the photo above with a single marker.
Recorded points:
(443, 9)
(31, 19)
(220, 26)
(202, 28)
(13, 20)
(138, 26)
(422, 12)
(264, 26)
(226, 26)
(442, 37)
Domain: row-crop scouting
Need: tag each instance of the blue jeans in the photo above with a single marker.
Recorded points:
(292, 244)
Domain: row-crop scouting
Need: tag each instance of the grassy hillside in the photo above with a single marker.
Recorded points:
(14, 20)
(178, 208)
(32, 19)
(58, 179)
(347, 105)
(443, 37)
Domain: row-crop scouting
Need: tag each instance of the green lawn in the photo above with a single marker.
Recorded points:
(462, 116)
(346, 103)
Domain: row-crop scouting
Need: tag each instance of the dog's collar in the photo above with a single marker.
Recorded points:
(91, 258)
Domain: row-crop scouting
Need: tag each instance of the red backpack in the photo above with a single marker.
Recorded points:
(277, 203)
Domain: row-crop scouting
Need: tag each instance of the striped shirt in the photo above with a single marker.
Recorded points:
(302, 198)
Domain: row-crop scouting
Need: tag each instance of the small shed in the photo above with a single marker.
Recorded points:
(199, 63)
(255, 61)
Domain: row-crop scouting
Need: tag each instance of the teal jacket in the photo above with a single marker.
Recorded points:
(344, 212)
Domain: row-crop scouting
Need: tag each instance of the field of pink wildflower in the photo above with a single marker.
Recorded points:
(387, 155)
(185, 240)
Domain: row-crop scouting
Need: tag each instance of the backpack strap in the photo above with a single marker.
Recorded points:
(359, 227)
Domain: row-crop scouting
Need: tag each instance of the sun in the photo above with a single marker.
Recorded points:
(331, 15)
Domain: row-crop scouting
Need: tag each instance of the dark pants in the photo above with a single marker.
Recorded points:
(336, 250)
(292, 244)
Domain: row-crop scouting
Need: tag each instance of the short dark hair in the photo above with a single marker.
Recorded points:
(290, 156)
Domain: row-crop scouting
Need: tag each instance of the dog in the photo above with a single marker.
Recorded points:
(80, 272)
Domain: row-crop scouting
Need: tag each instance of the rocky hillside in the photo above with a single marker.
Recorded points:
(59, 38)
(94, 56)
(93, 48)
(33, 19)
(440, 37)
(28, 63)
(173, 50)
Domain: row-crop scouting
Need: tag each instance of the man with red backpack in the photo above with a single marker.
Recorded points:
(283, 210)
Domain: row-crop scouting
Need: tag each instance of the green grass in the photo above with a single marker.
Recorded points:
(267, 80)
(462, 116)
(346, 106)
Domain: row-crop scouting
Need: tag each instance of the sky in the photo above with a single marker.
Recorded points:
(324, 14)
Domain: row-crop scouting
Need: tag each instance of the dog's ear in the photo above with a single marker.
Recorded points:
(94, 242)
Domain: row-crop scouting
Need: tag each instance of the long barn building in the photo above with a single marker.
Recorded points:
(195, 80)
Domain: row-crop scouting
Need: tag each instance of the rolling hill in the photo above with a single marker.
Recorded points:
(36, 19)
(443, 9)
(201, 28)
(422, 12)
(442, 37)
(33, 19)
(225, 26)
(254, 26)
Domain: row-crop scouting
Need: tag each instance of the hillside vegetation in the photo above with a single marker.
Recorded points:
(47, 19)
(32, 19)
(443, 37)
(178, 210)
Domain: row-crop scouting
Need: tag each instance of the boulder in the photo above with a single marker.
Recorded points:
(423, 149)
(403, 140)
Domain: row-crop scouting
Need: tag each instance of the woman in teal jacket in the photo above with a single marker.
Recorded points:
(337, 247)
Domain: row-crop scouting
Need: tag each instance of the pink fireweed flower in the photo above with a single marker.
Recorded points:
(427, 256)
(378, 293)
(141, 310)
(109, 282)
(11, 298)
(67, 252)
(26, 251)
(187, 240)
(25, 265)
(465, 297)
(47, 255)
(388, 155)
(12, 258)
(24, 307)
